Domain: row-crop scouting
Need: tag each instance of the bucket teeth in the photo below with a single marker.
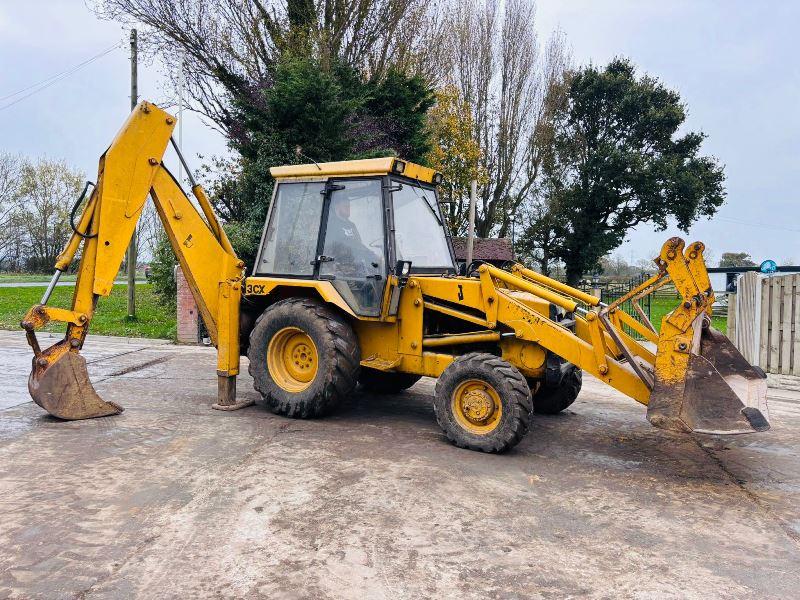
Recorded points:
(721, 393)
(63, 389)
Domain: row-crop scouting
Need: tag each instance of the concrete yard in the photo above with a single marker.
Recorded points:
(174, 500)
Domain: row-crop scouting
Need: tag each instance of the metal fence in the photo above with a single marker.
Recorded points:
(764, 321)
(610, 291)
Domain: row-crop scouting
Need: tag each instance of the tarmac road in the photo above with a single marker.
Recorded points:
(174, 500)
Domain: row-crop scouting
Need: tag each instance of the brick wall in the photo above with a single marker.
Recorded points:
(187, 311)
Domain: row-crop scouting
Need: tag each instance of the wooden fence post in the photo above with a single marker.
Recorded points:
(796, 324)
(733, 310)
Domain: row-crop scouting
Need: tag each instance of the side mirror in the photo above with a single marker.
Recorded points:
(402, 269)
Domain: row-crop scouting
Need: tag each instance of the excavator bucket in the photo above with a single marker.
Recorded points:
(59, 383)
(711, 389)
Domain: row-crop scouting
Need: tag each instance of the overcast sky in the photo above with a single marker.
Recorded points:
(733, 62)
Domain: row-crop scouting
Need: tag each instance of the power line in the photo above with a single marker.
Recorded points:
(762, 225)
(46, 83)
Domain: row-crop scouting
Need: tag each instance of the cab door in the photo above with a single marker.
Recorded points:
(290, 240)
(352, 249)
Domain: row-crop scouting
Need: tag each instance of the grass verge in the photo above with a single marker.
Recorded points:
(153, 320)
(46, 277)
(660, 306)
(33, 277)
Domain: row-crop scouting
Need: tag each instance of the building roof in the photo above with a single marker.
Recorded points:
(489, 249)
(368, 166)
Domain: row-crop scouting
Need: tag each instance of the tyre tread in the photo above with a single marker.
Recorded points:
(339, 350)
(518, 396)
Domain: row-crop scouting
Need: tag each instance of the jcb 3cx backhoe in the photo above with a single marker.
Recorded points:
(355, 283)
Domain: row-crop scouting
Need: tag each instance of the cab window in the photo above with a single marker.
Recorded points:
(419, 234)
(290, 242)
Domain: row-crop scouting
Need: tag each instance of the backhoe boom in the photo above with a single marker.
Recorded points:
(129, 172)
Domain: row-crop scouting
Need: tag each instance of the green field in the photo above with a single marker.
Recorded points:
(45, 277)
(32, 277)
(153, 320)
(659, 306)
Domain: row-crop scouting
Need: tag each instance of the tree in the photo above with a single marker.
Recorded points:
(736, 259)
(162, 272)
(538, 241)
(227, 50)
(455, 153)
(310, 113)
(10, 174)
(309, 80)
(501, 73)
(617, 161)
(615, 266)
(47, 190)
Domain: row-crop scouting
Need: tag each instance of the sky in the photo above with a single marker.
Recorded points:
(733, 62)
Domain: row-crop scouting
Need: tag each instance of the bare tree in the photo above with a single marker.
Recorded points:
(47, 190)
(10, 175)
(498, 65)
(148, 233)
(539, 238)
(227, 48)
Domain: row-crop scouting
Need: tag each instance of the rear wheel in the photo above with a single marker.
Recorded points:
(304, 358)
(483, 403)
(386, 382)
(552, 400)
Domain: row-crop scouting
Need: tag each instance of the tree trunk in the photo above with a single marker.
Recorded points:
(573, 275)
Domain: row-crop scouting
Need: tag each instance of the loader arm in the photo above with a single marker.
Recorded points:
(130, 171)
(690, 376)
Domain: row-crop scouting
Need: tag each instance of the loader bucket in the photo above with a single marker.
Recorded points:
(720, 393)
(63, 389)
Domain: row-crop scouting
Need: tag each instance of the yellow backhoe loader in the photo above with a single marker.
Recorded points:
(355, 282)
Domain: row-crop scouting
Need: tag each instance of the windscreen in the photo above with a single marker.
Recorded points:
(418, 231)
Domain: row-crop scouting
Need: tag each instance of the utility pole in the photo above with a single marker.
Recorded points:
(132, 246)
(180, 116)
(473, 193)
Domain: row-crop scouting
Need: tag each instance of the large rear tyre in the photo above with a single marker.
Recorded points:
(552, 400)
(385, 382)
(483, 403)
(304, 358)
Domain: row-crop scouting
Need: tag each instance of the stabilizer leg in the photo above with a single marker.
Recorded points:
(226, 394)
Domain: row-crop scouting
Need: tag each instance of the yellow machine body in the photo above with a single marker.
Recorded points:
(690, 376)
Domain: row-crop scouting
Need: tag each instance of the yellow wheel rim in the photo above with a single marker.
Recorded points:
(292, 359)
(476, 406)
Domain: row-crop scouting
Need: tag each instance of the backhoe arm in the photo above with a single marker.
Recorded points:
(129, 171)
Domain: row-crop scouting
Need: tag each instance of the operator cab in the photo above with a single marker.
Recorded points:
(352, 223)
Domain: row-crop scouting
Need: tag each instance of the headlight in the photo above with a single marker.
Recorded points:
(399, 166)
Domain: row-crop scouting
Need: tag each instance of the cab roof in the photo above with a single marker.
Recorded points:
(364, 167)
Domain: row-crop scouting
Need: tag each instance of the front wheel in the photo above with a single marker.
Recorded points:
(483, 403)
(552, 400)
(304, 358)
